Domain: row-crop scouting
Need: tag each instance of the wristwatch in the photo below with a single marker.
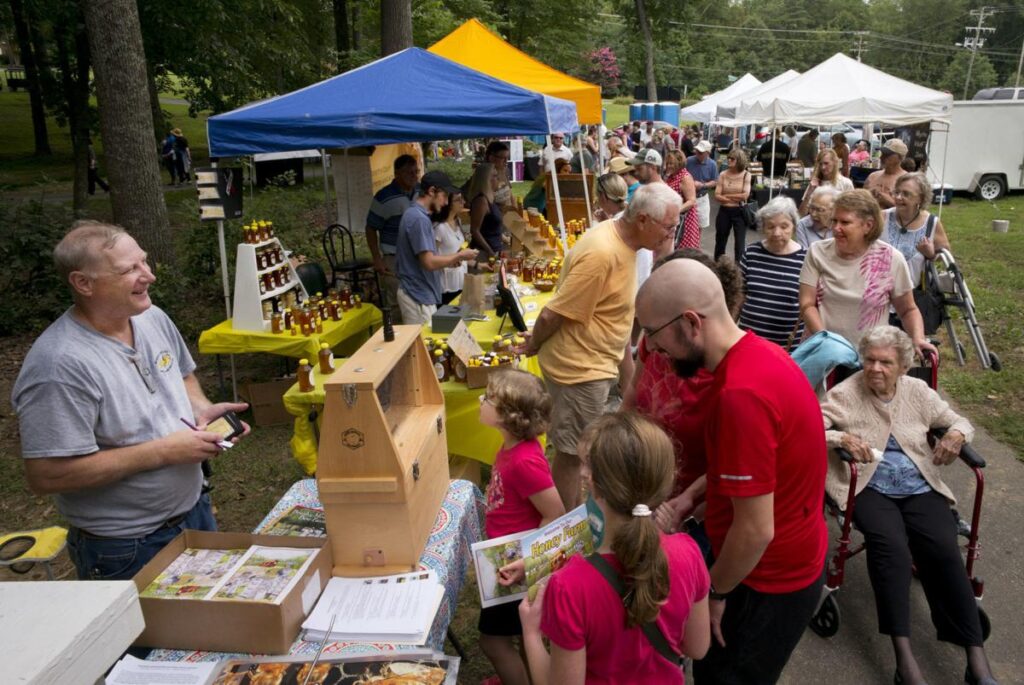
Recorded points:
(716, 595)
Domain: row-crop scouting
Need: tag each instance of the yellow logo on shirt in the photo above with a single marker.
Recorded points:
(164, 361)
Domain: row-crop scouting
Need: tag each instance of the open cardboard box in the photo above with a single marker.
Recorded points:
(230, 626)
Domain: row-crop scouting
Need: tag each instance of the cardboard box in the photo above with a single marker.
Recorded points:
(476, 376)
(265, 398)
(230, 626)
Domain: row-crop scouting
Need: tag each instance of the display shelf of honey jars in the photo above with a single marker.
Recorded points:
(382, 469)
(265, 281)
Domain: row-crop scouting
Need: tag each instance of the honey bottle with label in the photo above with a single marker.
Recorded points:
(441, 365)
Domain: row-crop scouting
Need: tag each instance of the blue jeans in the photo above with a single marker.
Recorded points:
(121, 558)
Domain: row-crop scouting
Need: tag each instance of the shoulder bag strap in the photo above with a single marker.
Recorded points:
(650, 629)
(929, 227)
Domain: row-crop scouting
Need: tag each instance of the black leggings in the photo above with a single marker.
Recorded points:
(730, 219)
(919, 528)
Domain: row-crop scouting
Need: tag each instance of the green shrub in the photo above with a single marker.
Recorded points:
(458, 170)
(624, 100)
(33, 295)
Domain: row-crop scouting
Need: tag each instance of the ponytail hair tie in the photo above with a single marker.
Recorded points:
(641, 510)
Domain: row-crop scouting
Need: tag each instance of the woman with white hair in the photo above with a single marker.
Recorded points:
(910, 227)
(902, 506)
(771, 272)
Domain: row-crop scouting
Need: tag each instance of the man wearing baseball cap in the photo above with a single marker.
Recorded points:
(647, 166)
(882, 183)
(705, 177)
(419, 268)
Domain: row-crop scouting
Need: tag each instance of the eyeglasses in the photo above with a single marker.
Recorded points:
(818, 209)
(650, 333)
(904, 193)
(485, 398)
(671, 226)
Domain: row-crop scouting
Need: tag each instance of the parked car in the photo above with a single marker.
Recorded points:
(1000, 94)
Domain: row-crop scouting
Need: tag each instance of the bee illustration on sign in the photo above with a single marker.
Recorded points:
(353, 439)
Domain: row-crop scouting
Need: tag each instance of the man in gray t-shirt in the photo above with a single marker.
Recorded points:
(102, 400)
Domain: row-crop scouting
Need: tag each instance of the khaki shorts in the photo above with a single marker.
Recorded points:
(574, 407)
(412, 311)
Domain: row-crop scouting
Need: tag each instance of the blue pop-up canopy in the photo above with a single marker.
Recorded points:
(410, 96)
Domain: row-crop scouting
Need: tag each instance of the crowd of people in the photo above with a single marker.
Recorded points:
(710, 476)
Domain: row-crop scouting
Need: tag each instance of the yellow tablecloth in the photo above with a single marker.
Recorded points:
(466, 436)
(354, 326)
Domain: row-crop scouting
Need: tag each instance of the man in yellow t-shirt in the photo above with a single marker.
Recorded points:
(582, 334)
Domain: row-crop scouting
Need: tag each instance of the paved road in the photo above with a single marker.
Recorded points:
(858, 655)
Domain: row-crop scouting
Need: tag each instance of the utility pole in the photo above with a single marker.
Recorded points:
(1020, 62)
(974, 44)
(860, 42)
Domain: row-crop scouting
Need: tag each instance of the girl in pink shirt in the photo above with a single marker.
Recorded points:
(596, 636)
(520, 496)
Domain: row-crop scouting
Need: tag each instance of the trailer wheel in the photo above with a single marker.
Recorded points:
(990, 188)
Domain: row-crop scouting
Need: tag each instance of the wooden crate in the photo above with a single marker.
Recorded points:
(383, 462)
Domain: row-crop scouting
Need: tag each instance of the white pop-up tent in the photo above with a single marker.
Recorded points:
(725, 111)
(841, 89)
(704, 111)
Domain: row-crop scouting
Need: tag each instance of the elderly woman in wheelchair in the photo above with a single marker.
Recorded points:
(882, 418)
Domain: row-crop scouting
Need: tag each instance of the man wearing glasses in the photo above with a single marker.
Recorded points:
(766, 474)
(557, 150)
(817, 225)
(582, 334)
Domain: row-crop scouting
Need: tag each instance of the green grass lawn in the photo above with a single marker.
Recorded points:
(20, 170)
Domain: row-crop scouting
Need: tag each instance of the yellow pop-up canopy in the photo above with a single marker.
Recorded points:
(475, 46)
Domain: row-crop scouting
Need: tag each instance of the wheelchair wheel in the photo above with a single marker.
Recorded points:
(825, 623)
(986, 624)
(994, 363)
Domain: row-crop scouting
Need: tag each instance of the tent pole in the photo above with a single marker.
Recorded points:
(327, 192)
(771, 179)
(583, 170)
(558, 196)
(227, 290)
(942, 174)
(348, 192)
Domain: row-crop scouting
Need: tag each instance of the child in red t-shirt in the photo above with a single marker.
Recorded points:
(521, 496)
(596, 636)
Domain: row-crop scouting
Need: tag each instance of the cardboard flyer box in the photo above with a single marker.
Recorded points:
(224, 625)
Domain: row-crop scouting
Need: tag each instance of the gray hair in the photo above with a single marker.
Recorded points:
(80, 248)
(920, 183)
(653, 200)
(889, 336)
(830, 192)
(779, 206)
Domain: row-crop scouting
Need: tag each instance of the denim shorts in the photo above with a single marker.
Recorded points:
(121, 558)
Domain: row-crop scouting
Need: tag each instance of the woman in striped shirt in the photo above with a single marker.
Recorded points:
(771, 272)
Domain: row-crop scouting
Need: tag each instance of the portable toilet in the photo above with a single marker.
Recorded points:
(636, 112)
(647, 111)
(668, 112)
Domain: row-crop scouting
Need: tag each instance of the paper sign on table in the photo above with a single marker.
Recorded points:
(463, 344)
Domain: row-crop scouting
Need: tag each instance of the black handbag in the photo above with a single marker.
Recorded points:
(750, 208)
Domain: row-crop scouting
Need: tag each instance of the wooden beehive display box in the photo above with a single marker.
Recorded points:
(383, 462)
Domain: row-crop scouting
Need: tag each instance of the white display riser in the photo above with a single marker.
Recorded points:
(247, 310)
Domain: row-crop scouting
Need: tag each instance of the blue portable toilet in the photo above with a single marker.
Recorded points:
(635, 112)
(647, 112)
(668, 112)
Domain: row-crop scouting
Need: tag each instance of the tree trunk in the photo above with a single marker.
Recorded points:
(357, 37)
(126, 121)
(341, 41)
(645, 30)
(161, 124)
(35, 93)
(395, 26)
(75, 84)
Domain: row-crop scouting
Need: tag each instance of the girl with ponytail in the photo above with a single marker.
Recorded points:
(597, 636)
